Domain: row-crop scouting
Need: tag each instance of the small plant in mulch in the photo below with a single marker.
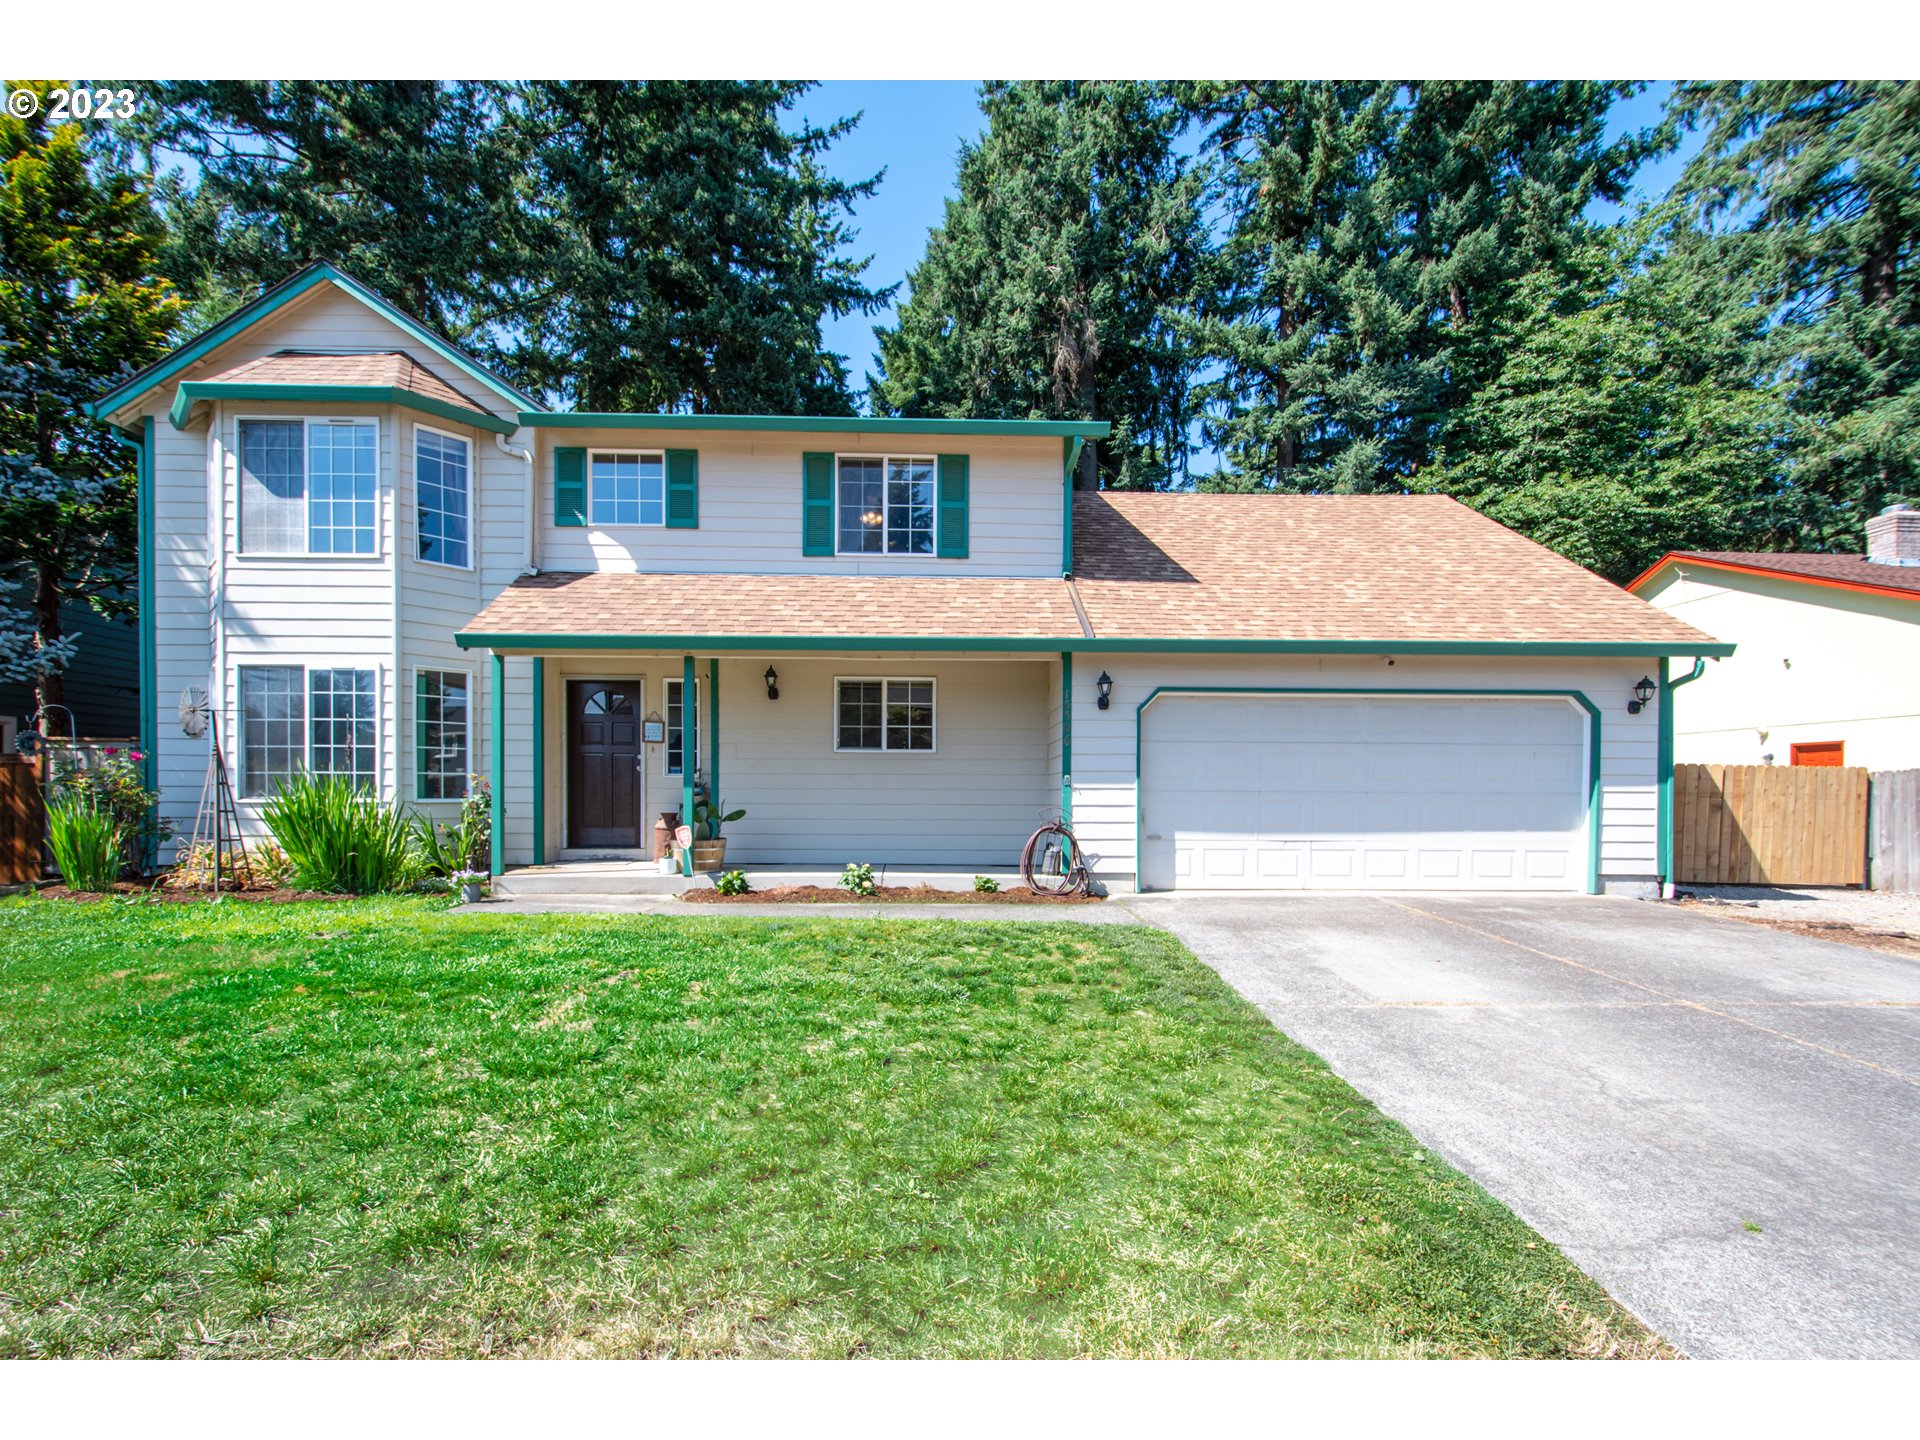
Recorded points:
(856, 880)
(986, 885)
(734, 882)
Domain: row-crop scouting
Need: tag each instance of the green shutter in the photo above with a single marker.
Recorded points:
(953, 507)
(816, 509)
(683, 489)
(570, 486)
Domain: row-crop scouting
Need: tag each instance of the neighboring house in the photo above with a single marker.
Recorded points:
(1828, 671)
(384, 561)
(101, 686)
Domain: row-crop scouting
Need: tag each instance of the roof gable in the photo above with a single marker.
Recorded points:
(277, 299)
(1834, 572)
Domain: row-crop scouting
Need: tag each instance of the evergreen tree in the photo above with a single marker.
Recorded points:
(1825, 176)
(413, 186)
(687, 248)
(80, 310)
(1050, 288)
(1626, 419)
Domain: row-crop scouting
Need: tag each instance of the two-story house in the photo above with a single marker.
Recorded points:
(890, 640)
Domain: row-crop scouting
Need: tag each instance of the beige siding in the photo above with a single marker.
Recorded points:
(750, 507)
(1104, 749)
(1814, 663)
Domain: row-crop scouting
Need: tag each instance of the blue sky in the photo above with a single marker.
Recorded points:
(913, 130)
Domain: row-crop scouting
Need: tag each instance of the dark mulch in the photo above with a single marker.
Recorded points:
(125, 888)
(885, 894)
(1891, 942)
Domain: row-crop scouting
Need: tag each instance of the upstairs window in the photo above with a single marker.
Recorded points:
(308, 487)
(627, 488)
(885, 505)
(441, 467)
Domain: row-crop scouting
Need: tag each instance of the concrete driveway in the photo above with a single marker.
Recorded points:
(1719, 1122)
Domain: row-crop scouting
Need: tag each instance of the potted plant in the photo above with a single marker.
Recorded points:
(473, 885)
(709, 845)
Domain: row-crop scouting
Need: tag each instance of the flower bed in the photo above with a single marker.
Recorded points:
(885, 895)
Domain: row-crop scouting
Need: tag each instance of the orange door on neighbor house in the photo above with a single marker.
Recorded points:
(1821, 752)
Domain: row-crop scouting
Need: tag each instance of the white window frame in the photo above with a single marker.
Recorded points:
(883, 681)
(667, 682)
(932, 552)
(613, 452)
(375, 556)
(473, 538)
(473, 701)
(306, 669)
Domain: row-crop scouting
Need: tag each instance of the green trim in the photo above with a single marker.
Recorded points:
(713, 732)
(191, 392)
(812, 424)
(1066, 738)
(539, 761)
(569, 485)
(1664, 762)
(952, 500)
(689, 754)
(149, 699)
(1577, 696)
(816, 503)
(1071, 448)
(497, 840)
(1050, 644)
(277, 298)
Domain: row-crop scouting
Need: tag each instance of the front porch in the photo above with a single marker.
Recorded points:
(932, 767)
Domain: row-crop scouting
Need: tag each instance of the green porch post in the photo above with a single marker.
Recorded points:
(689, 754)
(539, 761)
(497, 854)
(713, 731)
(1664, 767)
(1066, 738)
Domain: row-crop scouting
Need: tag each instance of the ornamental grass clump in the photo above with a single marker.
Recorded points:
(86, 841)
(340, 837)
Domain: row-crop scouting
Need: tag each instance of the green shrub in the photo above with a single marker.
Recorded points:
(859, 879)
(464, 845)
(86, 842)
(340, 837)
(986, 885)
(734, 882)
(116, 784)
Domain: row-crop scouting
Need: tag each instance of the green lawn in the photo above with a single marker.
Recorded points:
(379, 1129)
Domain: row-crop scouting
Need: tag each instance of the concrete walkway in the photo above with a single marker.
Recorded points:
(1717, 1121)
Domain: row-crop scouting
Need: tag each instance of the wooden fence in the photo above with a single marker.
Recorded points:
(1893, 831)
(21, 821)
(1769, 825)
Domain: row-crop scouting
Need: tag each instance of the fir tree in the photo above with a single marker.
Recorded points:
(80, 309)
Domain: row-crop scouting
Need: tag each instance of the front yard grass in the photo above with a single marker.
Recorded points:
(374, 1128)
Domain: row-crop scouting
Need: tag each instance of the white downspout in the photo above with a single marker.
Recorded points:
(527, 565)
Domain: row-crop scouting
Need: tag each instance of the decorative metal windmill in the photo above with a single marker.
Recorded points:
(217, 825)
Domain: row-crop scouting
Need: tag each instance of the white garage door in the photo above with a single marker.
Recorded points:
(1363, 793)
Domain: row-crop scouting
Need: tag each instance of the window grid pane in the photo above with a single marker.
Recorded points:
(273, 728)
(440, 717)
(859, 715)
(440, 483)
(272, 487)
(629, 489)
(909, 715)
(909, 507)
(342, 710)
(343, 474)
(862, 510)
(675, 745)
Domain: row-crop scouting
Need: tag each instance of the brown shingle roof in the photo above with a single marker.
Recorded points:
(1338, 567)
(390, 368)
(1156, 567)
(1841, 569)
(826, 606)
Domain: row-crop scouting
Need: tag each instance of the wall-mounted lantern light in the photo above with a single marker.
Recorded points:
(1104, 685)
(772, 677)
(1642, 693)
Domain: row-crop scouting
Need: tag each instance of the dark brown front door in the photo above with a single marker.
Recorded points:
(603, 760)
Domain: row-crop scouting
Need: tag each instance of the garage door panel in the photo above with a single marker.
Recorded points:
(1417, 793)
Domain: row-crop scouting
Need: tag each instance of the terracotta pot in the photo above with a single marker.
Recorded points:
(710, 854)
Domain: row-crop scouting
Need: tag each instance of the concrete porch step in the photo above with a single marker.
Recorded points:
(592, 877)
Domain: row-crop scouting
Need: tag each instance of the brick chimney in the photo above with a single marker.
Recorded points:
(1893, 536)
